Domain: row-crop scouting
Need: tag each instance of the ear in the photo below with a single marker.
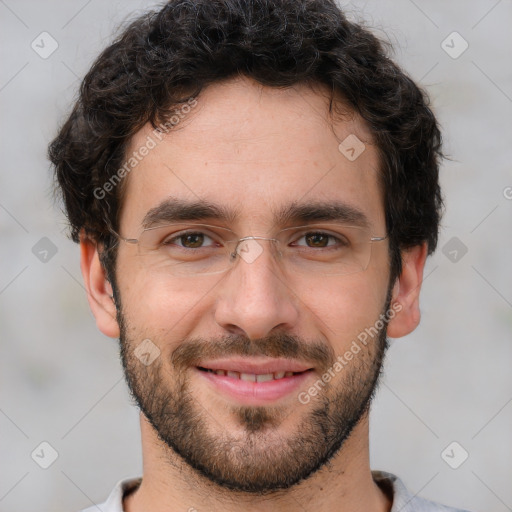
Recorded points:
(99, 290)
(406, 292)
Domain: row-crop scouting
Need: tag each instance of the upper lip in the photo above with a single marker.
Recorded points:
(258, 366)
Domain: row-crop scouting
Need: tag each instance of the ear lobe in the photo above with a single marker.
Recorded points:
(406, 292)
(99, 290)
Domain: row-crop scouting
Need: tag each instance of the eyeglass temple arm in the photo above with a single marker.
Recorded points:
(119, 237)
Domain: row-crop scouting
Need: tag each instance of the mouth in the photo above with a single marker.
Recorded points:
(255, 382)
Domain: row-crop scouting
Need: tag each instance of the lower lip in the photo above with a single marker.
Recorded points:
(256, 392)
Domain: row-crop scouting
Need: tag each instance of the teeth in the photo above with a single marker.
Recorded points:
(265, 377)
(252, 377)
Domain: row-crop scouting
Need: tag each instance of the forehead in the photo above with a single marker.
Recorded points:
(255, 150)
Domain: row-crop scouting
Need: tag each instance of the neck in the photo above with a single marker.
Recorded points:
(345, 483)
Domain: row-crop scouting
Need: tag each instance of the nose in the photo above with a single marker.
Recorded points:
(254, 298)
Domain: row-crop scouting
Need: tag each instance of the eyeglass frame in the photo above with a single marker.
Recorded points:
(235, 252)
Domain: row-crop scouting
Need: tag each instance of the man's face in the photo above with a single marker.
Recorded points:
(254, 151)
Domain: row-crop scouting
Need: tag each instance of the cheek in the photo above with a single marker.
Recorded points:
(163, 299)
(159, 304)
(344, 307)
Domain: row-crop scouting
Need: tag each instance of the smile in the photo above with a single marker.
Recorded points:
(256, 387)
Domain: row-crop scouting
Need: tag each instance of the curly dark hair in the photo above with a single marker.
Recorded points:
(164, 58)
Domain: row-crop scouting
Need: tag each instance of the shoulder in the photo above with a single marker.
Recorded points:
(114, 502)
(403, 500)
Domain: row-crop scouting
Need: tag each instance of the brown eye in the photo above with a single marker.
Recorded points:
(322, 240)
(317, 239)
(192, 240)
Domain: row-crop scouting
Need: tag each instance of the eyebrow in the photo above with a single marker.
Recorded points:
(174, 209)
(334, 211)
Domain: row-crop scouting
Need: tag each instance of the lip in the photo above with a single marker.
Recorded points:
(255, 365)
(255, 393)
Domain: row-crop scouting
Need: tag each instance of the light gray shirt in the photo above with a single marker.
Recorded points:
(403, 500)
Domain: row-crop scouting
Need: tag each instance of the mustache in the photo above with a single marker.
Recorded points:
(193, 351)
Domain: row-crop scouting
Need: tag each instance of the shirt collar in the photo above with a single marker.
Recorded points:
(403, 500)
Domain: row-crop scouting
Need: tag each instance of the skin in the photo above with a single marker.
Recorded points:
(253, 149)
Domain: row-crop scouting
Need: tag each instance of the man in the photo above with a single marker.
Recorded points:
(254, 187)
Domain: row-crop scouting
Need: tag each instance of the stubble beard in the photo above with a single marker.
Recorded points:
(257, 459)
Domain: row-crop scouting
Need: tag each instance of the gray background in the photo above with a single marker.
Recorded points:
(450, 380)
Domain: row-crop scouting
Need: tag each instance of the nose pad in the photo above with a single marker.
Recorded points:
(249, 249)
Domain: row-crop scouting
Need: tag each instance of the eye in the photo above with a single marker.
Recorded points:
(190, 240)
(320, 239)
